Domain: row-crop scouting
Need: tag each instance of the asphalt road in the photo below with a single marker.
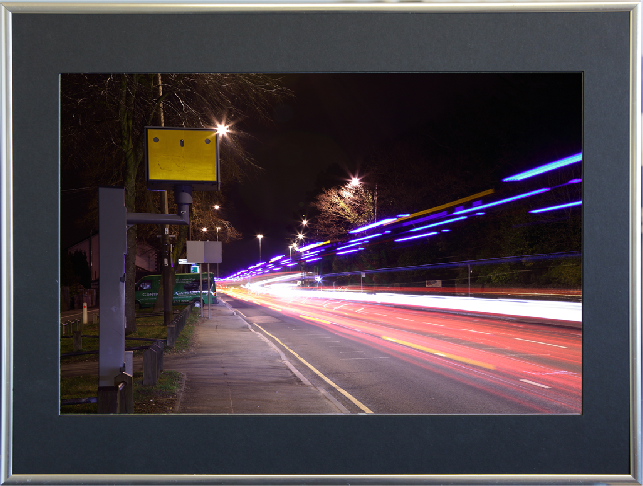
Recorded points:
(393, 360)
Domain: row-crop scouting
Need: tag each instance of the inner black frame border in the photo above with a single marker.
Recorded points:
(600, 443)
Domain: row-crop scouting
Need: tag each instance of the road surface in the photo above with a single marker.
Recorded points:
(390, 359)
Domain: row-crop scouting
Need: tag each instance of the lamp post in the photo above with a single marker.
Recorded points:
(259, 236)
(218, 228)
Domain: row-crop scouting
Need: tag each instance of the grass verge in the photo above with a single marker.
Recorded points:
(147, 326)
(160, 398)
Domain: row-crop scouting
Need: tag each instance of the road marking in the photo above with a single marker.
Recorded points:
(403, 319)
(440, 353)
(540, 342)
(359, 404)
(534, 383)
(376, 357)
(479, 332)
(315, 319)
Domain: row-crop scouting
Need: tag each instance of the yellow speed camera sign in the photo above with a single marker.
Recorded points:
(186, 156)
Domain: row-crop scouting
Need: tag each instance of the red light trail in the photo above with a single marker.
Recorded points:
(537, 365)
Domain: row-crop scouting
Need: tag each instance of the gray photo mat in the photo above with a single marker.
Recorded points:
(596, 442)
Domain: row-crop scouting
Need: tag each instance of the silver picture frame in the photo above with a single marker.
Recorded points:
(38, 466)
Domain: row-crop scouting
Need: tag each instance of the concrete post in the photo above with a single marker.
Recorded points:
(112, 216)
(149, 367)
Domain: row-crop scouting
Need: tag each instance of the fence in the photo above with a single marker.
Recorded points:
(120, 397)
(176, 326)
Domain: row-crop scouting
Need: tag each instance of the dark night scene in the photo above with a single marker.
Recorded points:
(321, 243)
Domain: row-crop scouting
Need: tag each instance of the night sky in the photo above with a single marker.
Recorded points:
(334, 123)
(345, 118)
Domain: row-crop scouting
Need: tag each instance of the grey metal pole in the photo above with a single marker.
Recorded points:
(201, 287)
(469, 275)
(209, 301)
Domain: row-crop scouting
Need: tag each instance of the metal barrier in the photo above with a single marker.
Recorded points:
(176, 326)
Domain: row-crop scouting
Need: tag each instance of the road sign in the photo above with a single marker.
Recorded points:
(188, 156)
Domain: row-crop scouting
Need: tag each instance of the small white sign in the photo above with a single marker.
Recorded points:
(183, 261)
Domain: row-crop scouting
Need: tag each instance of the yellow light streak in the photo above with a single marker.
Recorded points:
(440, 353)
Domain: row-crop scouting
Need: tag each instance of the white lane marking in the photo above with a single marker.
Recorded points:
(378, 314)
(359, 310)
(540, 342)
(534, 383)
(342, 352)
(376, 357)
(403, 319)
(479, 332)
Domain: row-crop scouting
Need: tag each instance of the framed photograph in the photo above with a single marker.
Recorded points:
(460, 59)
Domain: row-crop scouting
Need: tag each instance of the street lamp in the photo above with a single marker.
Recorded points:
(259, 236)
(218, 228)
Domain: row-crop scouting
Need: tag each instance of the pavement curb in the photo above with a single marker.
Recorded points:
(287, 362)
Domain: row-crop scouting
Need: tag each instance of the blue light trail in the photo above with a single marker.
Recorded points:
(552, 208)
(372, 225)
(572, 159)
(417, 236)
(503, 201)
(438, 224)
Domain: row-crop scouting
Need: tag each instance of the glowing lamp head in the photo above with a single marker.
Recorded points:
(216, 206)
(354, 182)
(259, 236)
(300, 236)
(222, 129)
(204, 229)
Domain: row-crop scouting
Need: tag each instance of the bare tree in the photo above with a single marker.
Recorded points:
(342, 208)
(103, 118)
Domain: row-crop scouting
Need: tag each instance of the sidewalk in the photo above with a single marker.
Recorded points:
(233, 369)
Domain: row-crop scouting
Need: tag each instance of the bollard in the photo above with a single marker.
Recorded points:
(171, 335)
(158, 347)
(76, 329)
(85, 313)
(125, 401)
(150, 376)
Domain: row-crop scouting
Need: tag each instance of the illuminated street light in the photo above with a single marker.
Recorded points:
(204, 229)
(354, 182)
(222, 129)
(216, 206)
(259, 236)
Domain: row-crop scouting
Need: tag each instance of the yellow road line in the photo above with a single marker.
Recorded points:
(440, 353)
(315, 319)
(318, 373)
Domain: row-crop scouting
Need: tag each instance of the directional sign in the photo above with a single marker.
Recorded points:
(187, 156)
